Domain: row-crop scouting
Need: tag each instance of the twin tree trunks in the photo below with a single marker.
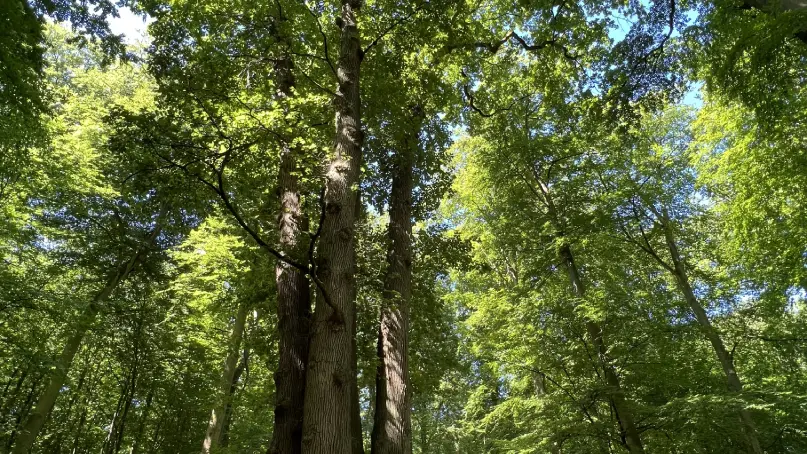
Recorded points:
(330, 423)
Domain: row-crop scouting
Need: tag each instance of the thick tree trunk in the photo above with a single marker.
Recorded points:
(725, 358)
(392, 429)
(624, 415)
(330, 378)
(216, 423)
(293, 299)
(46, 401)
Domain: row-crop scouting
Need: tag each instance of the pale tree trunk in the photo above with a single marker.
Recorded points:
(725, 358)
(56, 381)
(392, 428)
(223, 396)
(228, 413)
(293, 298)
(330, 379)
(624, 415)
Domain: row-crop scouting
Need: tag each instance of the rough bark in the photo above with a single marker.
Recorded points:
(624, 416)
(216, 423)
(46, 401)
(330, 378)
(725, 358)
(293, 299)
(392, 428)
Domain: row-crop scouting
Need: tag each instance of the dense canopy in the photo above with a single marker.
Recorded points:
(390, 227)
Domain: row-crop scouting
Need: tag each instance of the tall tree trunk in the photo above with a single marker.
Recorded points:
(120, 427)
(327, 427)
(293, 298)
(214, 427)
(138, 438)
(109, 443)
(725, 358)
(624, 416)
(56, 381)
(392, 428)
(22, 411)
(228, 413)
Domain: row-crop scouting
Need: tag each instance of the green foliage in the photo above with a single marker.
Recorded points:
(536, 131)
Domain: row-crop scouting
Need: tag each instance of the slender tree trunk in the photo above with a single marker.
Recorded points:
(121, 426)
(23, 411)
(725, 358)
(293, 298)
(624, 416)
(109, 443)
(77, 437)
(138, 438)
(228, 413)
(327, 427)
(356, 432)
(214, 428)
(56, 381)
(13, 395)
(392, 429)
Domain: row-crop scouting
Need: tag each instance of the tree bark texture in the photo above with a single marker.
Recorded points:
(293, 298)
(330, 378)
(216, 423)
(56, 381)
(725, 358)
(392, 428)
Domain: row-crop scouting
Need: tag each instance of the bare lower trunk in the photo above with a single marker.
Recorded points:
(330, 379)
(392, 429)
(293, 299)
(725, 358)
(216, 423)
(46, 401)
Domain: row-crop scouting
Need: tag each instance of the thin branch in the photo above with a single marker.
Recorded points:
(324, 37)
(338, 315)
(392, 27)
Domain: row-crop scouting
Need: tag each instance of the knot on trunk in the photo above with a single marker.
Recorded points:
(333, 208)
(345, 234)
